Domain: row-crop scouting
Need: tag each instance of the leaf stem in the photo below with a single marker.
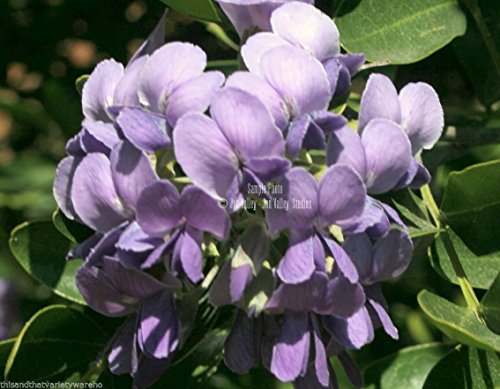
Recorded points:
(463, 282)
(474, 9)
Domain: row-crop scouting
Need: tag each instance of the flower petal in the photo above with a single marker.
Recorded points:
(143, 129)
(299, 189)
(101, 294)
(98, 92)
(297, 265)
(191, 255)
(240, 349)
(300, 79)
(193, 96)
(345, 147)
(120, 357)
(342, 260)
(215, 165)
(385, 165)
(247, 124)
(258, 87)
(167, 68)
(379, 101)
(94, 196)
(422, 115)
(158, 334)
(131, 171)
(306, 26)
(157, 209)
(256, 46)
(63, 184)
(392, 255)
(301, 297)
(342, 194)
(291, 350)
(204, 213)
(354, 332)
(103, 132)
(342, 298)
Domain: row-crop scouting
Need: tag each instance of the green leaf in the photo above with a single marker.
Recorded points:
(74, 231)
(199, 9)
(400, 32)
(80, 82)
(480, 270)
(408, 368)
(466, 368)
(41, 250)
(490, 306)
(56, 342)
(471, 206)
(457, 322)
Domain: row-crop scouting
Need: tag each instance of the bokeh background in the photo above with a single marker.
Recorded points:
(45, 45)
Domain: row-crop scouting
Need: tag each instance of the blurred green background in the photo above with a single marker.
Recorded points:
(47, 44)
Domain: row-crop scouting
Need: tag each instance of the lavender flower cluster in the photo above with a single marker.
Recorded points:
(166, 186)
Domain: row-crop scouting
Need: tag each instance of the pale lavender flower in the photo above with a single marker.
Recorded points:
(302, 25)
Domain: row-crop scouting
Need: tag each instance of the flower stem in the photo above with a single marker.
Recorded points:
(463, 282)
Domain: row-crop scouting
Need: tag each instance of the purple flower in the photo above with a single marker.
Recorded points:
(385, 259)
(312, 206)
(240, 144)
(115, 290)
(162, 211)
(380, 166)
(249, 16)
(303, 25)
(416, 110)
(295, 88)
(102, 192)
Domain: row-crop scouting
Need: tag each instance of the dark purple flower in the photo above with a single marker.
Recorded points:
(385, 259)
(115, 290)
(240, 144)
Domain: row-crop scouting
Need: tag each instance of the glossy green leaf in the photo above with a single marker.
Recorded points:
(74, 231)
(457, 322)
(56, 342)
(408, 368)
(466, 368)
(471, 205)
(490, 306)
(480, 270)
(400, 32)
(199, 9)
(41, 250)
